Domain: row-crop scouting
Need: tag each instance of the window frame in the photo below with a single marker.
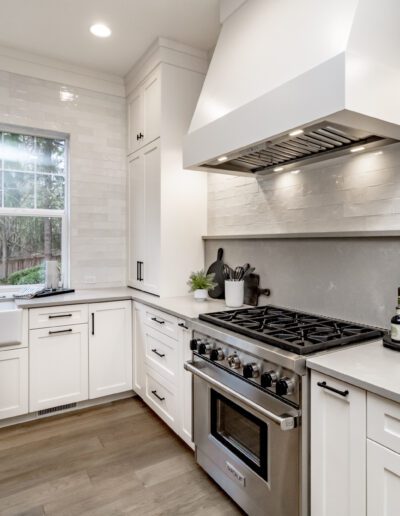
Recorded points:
(64, 214)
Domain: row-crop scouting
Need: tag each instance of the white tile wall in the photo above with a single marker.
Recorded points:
(96, 123)
(346, 194)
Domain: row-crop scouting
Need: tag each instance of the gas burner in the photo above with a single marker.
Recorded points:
(298, 332)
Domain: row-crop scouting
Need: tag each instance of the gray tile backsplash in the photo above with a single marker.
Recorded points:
(349, 278)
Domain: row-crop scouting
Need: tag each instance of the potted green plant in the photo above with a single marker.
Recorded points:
(199, 283)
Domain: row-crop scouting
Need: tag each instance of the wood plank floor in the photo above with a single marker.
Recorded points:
(110, 460)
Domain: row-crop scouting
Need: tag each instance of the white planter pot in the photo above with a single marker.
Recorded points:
(200, 294)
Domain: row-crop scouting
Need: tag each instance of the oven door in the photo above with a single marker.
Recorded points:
(246, 440)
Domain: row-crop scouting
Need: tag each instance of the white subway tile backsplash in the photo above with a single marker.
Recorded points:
(96, 124)
(346, 194)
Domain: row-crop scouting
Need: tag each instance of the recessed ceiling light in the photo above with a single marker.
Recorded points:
(67, 96)
(222, 158)
(357, 149)
(295, 171)
(100, 30)
(278, 169)
(296, 132)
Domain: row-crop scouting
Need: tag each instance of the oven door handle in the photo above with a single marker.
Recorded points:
(285, 422)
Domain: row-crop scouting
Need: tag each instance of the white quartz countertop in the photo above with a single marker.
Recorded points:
(184, 306)
(369, 366)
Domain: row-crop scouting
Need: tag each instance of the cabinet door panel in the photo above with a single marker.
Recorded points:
(383, 481)
(338, 457)
(151, 107)
(13, 383)
(139, 350)
(186, 382)
(58, 366)
(135, 121)
(136, 220)
(152, 236)
(110, 348)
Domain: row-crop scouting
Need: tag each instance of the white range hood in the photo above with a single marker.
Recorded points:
(328, 69)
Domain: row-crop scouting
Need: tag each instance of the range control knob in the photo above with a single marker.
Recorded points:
(217, 354)
(234, 361)
(285, 386)
(251, 370)
(269, 378)
(203, 348)
(193, 344)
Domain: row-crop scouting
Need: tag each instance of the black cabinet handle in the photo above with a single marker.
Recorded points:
(183, 325)
(157, 320)
(60, 331)
(140, 136)
(137, 271)
(137, 137)
(140, 271)
(154, 393)
(161, 355)
(58, 316)
(325, 386)
(92, 323)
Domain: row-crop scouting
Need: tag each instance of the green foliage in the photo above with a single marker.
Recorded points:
(30, 276)
(201, 280)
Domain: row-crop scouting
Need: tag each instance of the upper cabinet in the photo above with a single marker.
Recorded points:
(144, 110)
(167, 204)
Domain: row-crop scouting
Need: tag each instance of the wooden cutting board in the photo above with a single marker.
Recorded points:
(252, 289)
(218, 269)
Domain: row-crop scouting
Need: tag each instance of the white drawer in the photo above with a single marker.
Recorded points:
(383, 421)
(165, 323)
(51, 316)
(161, 353)
(160, 395)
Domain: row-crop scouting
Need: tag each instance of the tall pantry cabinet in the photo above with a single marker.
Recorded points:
(167, 205)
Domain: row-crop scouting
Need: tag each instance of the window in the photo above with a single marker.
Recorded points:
(33, 221)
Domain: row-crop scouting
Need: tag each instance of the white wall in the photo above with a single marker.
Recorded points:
(346, 194)
(96, 125)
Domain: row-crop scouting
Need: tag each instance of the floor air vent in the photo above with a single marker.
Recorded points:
(56, 409)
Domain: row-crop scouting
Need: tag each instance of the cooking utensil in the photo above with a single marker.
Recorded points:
(217, 268)
(252, 289)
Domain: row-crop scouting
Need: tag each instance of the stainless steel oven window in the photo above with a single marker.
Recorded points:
(241, 432)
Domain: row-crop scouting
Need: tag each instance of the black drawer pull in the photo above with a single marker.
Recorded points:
(157, 320)
(161, 355)
(183, 325)
(325, 386)
(154, 393)
(60, 331)
(58, 316)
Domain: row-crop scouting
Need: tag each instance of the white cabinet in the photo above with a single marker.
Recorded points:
(167, 205)
(186, 382)
(144, 219)
(383, 481)
(13, 383)
(58, 366)
(338, 448)
(110, 348)
(160, 348)
(144, 110)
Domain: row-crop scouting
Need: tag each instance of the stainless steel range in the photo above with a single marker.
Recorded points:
(250, 401)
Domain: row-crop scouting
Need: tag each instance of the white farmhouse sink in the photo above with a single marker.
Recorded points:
(10, 323)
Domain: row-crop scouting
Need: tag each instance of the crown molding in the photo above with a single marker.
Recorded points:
(166, 51)
(38, 67)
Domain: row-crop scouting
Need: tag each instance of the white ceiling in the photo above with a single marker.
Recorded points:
(60, 29)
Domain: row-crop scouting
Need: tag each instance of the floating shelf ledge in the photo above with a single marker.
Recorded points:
(328, 234)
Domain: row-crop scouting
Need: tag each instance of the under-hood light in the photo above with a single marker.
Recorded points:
(378, 153)
(295, 171)
(222, 158)
(278, 169)
(357, 149)
(296, 132)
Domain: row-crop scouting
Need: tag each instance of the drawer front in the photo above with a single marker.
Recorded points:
(164, 323)
(51, 316)
(161, 397)
(383, 421)
(161, 353)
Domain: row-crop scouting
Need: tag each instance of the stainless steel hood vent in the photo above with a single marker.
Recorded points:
(317, 142)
